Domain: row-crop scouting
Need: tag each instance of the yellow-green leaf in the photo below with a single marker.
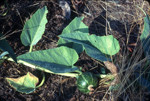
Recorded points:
(25, 84)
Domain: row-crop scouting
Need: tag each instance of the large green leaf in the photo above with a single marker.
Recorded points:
(75, 25)
(4, 46)
(57, 60)
(25, 84)
(145, 37)
(34, 28)
(97, 47)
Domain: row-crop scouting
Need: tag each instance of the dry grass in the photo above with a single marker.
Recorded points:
(131, 19)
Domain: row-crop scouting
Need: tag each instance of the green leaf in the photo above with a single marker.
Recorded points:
(25, 84)
(146, 30)
(4, 46)
(57, 60)
(98, 47)
(146, 36)
(75, 25)
(34, 28)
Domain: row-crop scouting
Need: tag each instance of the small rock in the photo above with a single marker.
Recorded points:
(66, 8)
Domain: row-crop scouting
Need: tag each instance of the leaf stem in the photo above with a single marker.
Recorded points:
(104, 75)
(42, 82)
(30, 50)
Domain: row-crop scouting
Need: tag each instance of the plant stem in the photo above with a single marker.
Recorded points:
(44, 70)
(30, 50)
(104, 75)
(42, 82)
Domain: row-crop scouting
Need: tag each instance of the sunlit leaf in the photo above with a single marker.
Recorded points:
(57, 60)
(98, 47)
(75, 25)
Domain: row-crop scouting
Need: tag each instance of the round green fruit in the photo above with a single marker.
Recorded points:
(86, 82)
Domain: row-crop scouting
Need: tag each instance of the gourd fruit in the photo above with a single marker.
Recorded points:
(86, 82)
